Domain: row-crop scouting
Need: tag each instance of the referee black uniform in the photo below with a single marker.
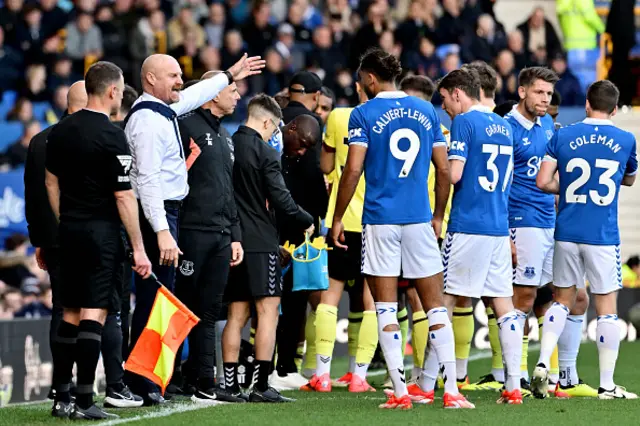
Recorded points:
(209, 223)
(91, 159)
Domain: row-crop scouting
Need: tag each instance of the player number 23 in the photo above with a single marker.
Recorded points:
(494, 151)
(610, 168)
(409, 156)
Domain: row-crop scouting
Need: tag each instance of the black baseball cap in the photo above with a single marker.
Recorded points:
(310, 82)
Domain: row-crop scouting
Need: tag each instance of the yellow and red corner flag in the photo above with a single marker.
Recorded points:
(169, 324)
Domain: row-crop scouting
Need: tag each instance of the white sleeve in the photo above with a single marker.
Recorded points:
(196, 95)
(148, 150)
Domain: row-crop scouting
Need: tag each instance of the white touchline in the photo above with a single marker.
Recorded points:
(163, 412)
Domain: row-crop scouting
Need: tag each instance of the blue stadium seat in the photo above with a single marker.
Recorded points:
(10, 132)
(8, 100)
(40, 110)
(582, 62)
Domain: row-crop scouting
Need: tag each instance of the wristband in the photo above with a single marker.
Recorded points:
(229, 76)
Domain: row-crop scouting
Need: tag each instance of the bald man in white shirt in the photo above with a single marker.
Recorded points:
(159, 174)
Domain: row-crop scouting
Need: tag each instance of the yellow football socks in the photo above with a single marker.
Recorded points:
(252, 336)
(496, 349)
(524, 360)
(353, 330)
(367, 338)
(326, 321)
(463, 333)
(310, 336)
(419, 336)
(403, 321)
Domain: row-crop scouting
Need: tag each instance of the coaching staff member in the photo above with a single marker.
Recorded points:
(159, 175)
(209, 234)
(259, 192)
(91, 198)
(42, 223)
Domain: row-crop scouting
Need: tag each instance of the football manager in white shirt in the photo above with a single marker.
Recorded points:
(159, 175)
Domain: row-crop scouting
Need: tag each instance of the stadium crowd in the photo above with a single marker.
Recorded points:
(311, 53)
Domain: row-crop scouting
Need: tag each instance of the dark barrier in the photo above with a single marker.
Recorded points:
(25, 358)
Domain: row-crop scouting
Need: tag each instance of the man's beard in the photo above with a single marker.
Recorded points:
(368, 92)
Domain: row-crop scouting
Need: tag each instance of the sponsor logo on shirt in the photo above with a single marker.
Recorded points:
(355, 133)
(457, 146)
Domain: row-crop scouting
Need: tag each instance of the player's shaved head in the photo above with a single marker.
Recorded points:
(301, 133)
(161, 77)
(76, 97)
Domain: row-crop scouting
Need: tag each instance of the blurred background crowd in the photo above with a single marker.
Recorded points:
(46, 45)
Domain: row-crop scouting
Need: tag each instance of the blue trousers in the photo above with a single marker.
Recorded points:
(145, 291)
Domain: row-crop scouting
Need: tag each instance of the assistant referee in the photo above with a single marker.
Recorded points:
(87, 179)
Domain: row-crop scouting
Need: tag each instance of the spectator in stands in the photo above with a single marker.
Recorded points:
(16, 271)
(341, 37)
(35, 87)
(215, 25)
(451, 28)
(53, 17)
(29, 32)
(580, 24)
(621, 24)
(21, 111)
(326, 104)
(569, 86)
(369, 33)
(83, 38)
(17, 153)
(274, 77)
(233, 48)
(61, 73)
(114, 34)
(181, 24)
(326, 55)
(41, 306)
(188, 55)
(630, 271)
(538, 33)
(288, 49)
(418, 23)
(424, 61)
(295, 18)
(30, 290)
(515, 43)
(485, 44)
(258, 32)
(508, 80)
(10, 303)
(450, 62)
(59, 105)
(388, 44)
(10, 64)
(10, 19)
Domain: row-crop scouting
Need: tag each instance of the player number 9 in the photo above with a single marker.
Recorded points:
(409, 156)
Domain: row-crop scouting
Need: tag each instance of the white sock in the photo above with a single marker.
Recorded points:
(352, 363)
(461, 368)
(361, 370)
(552, 327)
(442, 342)
(415, 373)
(608, 341)
(522, 318)
(510, 335)
(323, 365)
(524, 374)
(219, 363)
(429, 374)
(391, 344)
(568, 347)
(498, 374)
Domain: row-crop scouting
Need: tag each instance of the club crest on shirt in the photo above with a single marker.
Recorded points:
(529, 272)
(231, 148)
(208, 139)
(549, 134)
(186, 268)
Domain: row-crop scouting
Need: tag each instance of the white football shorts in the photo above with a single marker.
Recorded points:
(534, 247)
(600, 265)
(389, 250)
(477, 265)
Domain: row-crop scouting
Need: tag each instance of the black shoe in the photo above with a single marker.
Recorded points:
(217, 394)
(524, 384)
(61, 409)
(152, 399)
(270, 395)
(173, 390)
(123, 398)
(91, 413)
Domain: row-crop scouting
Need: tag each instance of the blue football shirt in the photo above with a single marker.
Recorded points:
(399, 132)
(528, 205)
(592, 156)
(483, 140)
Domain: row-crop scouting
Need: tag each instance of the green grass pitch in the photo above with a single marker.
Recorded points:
(341, 408)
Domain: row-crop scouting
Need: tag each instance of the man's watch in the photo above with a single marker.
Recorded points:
(229, 76)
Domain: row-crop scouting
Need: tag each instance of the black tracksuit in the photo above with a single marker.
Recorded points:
(260, 192)
(208, 225)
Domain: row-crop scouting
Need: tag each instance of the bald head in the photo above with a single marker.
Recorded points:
(301, 133)
(76, 97)
(162, 78)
